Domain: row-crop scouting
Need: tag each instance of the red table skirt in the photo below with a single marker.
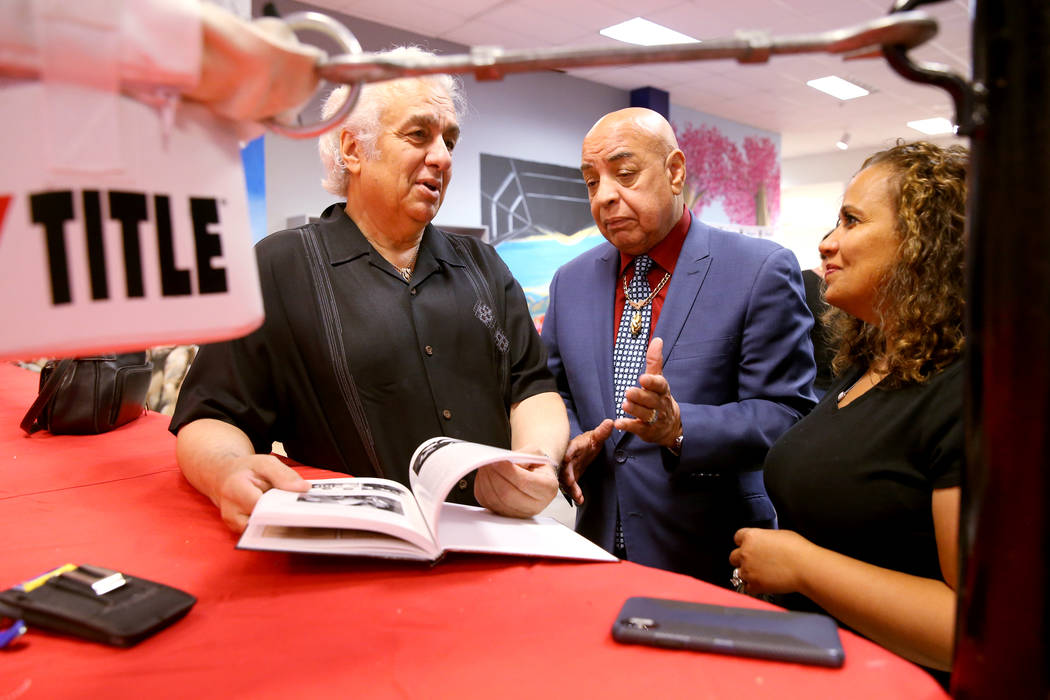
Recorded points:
(272, 625)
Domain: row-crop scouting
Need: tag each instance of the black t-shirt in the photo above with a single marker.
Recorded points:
(858, 480)
(427, 358)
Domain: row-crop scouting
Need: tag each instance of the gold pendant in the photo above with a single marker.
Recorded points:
(636, 323)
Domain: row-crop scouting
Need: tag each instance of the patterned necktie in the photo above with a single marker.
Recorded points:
(629, 351)
(629, 357)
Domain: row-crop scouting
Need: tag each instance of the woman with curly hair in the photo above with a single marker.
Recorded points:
(867, 485)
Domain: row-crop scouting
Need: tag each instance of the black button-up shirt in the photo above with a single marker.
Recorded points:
(428, 357)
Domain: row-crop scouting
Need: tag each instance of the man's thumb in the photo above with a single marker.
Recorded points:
(654, 357)
(284, 477)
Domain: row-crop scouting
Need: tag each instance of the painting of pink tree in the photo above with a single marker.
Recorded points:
(707, 168)
(752, 192)
(746, 181)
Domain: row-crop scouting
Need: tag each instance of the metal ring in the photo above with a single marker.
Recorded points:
(349, 45)
(739, 585)
(652, 418)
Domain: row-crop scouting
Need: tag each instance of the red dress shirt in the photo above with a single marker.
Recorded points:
(664, 255)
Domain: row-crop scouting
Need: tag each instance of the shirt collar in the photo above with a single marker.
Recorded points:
(343, 240)
(665, 253)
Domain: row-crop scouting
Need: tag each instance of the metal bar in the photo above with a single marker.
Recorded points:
(902, 29)
(967, 97)
(906, 29)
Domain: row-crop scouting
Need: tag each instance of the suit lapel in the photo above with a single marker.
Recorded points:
(606, 269)
(689, 273)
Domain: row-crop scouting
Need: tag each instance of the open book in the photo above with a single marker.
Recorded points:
(382, 518)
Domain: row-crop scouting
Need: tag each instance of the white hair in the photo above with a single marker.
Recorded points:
(363, 121)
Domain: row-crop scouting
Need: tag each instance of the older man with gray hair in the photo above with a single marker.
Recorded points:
(381, 331)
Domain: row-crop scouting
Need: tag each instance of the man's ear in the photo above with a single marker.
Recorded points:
(350, 149)
(676, 170)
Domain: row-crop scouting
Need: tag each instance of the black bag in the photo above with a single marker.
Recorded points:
(90, 395)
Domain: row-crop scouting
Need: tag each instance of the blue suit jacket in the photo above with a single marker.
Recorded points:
(739, 361)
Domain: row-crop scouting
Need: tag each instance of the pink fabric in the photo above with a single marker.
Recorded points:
(272, 625)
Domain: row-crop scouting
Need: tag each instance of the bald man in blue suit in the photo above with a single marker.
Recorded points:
(728, 361)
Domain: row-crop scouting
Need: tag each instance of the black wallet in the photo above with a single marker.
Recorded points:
(96, 603)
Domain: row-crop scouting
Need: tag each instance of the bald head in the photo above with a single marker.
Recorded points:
(645, 125)
(635, 173)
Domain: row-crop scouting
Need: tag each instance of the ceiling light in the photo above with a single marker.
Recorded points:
(837, 87)
(933, 127)
(843, 143)
(645, 33)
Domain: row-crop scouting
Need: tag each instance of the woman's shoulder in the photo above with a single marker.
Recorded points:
(950, 378)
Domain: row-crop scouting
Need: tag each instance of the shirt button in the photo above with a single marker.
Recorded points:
(447, 414)
(428, 350)
(462, 484)
(621, 456)
(412, 291)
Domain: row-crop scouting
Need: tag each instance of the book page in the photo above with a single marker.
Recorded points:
(440, 462)
(379, 505)
(324, 540)
(473, 529)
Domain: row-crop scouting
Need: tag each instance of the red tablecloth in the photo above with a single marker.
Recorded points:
(270, 625)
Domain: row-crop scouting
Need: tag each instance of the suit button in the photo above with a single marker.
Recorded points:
(429, 350)
(412, 291)
(620, 455)
(462, 484)
(447, 414)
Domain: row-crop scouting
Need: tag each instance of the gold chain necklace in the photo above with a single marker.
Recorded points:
(636, 318)
(406, 272)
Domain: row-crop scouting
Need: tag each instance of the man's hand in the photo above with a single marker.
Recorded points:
(581, 452)
(517, 490)
(246, 480)
(218, 459)
(252, 70)
(657, 417)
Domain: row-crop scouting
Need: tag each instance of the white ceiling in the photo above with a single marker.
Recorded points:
(772, 96)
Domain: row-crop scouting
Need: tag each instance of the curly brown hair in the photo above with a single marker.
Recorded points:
(921, 300)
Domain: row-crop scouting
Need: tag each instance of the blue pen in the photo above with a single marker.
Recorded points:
(9, 635)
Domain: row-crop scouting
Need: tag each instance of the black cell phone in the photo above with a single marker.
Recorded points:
(806, 638)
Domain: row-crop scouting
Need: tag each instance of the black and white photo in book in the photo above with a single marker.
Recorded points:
(382, 487)
(354, 499)
(382, 518)
(431, 447)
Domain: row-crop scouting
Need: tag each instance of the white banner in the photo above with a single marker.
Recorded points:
(149, 246)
